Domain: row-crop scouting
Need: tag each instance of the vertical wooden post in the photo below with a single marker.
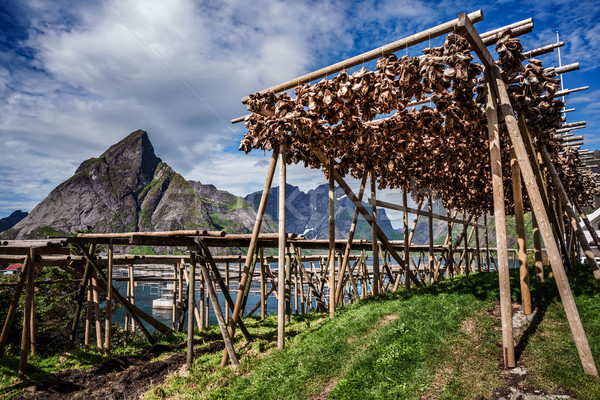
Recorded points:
(288, 285)
(478, 247)
(108, 318)
(180, 290)
(237, 310)
(132, 300)
(97, 317)
(27, 315)
(263, 288)
(450, 269)
(80, 296)
(227, 286)
(191, 304)
(203, 310)
(537, 245)
(498, 189)
(282, 245)
(376, 280)
(174, 311)
(88, 314)
(487, 243)
(406, 237)
(331, 239)
(12, 309)
(520, 226)
(430, 223)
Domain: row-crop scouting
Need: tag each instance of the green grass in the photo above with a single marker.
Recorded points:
(438, 342)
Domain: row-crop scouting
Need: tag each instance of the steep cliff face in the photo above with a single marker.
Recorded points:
(308, 213)
(128, 188)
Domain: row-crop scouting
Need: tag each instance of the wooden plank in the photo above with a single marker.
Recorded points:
(12, 309)
(498, 189)
(27, 316)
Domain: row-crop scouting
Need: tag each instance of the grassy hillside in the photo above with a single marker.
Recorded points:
(441, 342)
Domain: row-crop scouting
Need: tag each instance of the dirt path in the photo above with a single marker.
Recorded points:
(119, 378)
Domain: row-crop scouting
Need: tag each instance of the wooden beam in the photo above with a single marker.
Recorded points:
(375, 248)
(191, 303)
(331, 181)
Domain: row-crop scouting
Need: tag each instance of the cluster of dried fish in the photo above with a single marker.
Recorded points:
(444, 149)
(439, 148)
(532, 96)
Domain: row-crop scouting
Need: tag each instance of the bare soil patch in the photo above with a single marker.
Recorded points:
(120, 378)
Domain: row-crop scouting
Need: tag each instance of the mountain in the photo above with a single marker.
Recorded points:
(128, 188)
(308, 213)
(11, 220)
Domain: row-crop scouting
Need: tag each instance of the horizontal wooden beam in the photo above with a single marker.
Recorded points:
(569, 91)
(542, 50)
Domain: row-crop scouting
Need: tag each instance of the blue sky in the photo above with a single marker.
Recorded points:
(78, 76)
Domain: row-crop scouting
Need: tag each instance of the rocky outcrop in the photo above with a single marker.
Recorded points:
(128, 188)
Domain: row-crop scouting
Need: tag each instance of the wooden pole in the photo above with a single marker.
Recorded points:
(332, 299)
(88, 315)
(174, 308)
(80, 297)
(520, 226)
(132, 299)
(487, 243)
(263, 287)
(109, 288)
(235, 316)
(220, 320)
(406, 238)
(32, 309)
(227, 308)
(26, 316)
(97, 317)
(12, 309)
(202, 316)
(537, 245)
(282, 246)
(555, 179)
(498, 189)
(376, 280)
(430, 223)
(191, 305)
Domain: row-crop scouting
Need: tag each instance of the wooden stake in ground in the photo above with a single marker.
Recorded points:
(331, 239)
(109, 289)
(406, 238)
(430, 224)
(376, 278)
(520, 225)
(503, 273)
(190, 321)
(27, 315)
(282, 244)
(97, 318)
(12, 309)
